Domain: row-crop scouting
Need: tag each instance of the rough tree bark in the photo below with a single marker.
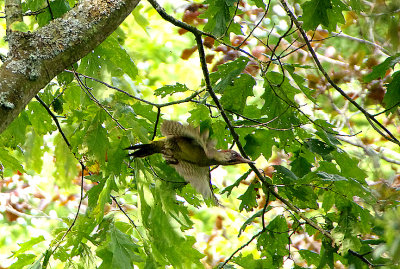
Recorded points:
(34, 59)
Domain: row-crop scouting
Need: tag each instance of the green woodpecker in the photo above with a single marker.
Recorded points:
(191, 153)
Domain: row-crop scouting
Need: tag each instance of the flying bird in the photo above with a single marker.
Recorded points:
(191, 153)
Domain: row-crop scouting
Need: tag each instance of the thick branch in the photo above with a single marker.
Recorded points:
(13, 12)
(36, 58)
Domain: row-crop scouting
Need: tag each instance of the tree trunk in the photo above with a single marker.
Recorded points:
(36, 58)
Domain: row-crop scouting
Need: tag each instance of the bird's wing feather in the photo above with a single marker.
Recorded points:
(174, 128)
(198, 177)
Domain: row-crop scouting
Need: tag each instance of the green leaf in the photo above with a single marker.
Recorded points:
(300, 81)
(236, 184)
(335, 15)
(23, 260)
(33, 5)
(311, 257)
(302, 195)
(165, 219)
(219, 14)
(94, 193)
(392, 96)
(249, 198)
(258, 3)
(33, 153)
(326, 254)
(15, 133)
(349, 166)
(171, 89)
(347, 229)
(119, 251)
(19, 26)
(249, 261)
(37, 264)
(252, 218)
(198, 114)
(379, 71)
(72, 97)
(145, 111)
(65, 77)
(234, 97)
(96, 138)
(356, 5)
(300, 166)
(315, 12)
(326, 132)
(330, 177)
(115, 156)
(325, 12)
(108, 56)
(41, 121)
(259, 142)
(58, 8)
(23, 247)
(139, 18)
(9, 162)
(284, 175)
(227, 73)
(104, 197)
(66, 163)
(279, 105)
(273, 242)
(328, 200)
(319, 147)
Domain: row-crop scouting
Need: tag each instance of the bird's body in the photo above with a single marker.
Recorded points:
(191, 153)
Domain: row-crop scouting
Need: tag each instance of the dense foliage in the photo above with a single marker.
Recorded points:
(309, 89)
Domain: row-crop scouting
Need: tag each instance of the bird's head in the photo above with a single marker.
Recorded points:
(229, 157)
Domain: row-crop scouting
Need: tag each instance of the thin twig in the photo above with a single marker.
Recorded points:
(185, 100)
(256, 26)
(240, 248)
(87, 90)
(232, 19)
(76, 214)
(127, 216)
(156, 124)
(82, 172)
(51, 12)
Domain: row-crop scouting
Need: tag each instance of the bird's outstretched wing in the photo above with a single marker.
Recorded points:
(175, 129)
(198, 177)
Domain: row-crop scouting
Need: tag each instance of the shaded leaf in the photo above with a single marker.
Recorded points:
(119, 251)
(379, 71)
(323, 12)
(227, 73)
(252, 218)
(219, 15)
(236, 184)
(300, 166)
(259, 142)
(234, 97)
(249, 198)
(392, 96)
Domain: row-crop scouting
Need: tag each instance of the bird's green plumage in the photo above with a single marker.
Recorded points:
(191, 153)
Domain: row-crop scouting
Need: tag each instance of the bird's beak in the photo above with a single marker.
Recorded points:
(243, 160)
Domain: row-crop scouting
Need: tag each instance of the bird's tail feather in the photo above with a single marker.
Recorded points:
(144, 150)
